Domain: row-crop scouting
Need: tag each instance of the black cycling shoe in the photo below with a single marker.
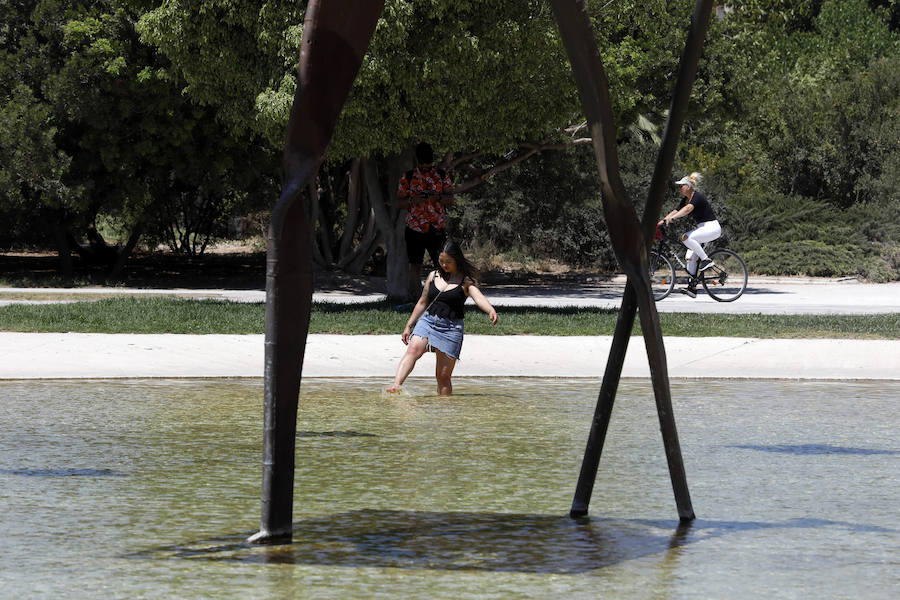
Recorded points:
(689, 291)
(705, 264)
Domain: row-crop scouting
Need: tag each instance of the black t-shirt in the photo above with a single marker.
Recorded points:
(702, 212)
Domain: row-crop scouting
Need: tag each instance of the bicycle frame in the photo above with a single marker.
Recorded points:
(664, 247)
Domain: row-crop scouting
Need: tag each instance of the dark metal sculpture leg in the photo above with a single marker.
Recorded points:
(335, 37)
(605, 401)
(659, 375)
(631, 243)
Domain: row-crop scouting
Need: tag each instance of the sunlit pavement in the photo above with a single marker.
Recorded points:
(763, 296)
(80, 355)
(86, 355)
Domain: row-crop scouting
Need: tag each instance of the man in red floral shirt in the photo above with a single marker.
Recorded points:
(425, 192)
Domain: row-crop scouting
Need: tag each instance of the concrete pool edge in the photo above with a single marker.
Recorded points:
(121, 356)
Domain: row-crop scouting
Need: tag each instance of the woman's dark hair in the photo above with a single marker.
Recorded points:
(452, 249)
(424, 153)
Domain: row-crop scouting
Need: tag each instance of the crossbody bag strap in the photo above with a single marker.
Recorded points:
(436, 296)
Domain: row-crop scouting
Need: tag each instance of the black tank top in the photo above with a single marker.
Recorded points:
(448, 303)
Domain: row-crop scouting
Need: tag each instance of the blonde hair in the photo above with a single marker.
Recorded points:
(694, 178)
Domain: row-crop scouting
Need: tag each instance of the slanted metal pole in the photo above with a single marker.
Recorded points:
(649, 319)
(681, 96)
(336, 34)
(289, 287)
(603, 412)
(659, 375)
(630, 242)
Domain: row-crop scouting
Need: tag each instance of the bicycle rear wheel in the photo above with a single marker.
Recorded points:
(726, 280)
(662, 275)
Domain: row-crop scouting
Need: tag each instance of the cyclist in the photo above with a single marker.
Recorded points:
(707, 229)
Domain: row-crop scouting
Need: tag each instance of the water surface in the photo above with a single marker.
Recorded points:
(148, 488)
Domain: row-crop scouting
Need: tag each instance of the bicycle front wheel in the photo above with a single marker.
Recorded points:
(726, 280)
(662, 275)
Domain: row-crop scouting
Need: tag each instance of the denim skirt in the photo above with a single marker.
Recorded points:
(442, 333)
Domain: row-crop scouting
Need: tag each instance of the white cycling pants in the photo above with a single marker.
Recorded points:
(693, 239)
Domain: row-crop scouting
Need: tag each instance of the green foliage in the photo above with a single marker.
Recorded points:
(791, 16)
(640, 44)
(832, 142)
(793, 235)
(888, 11)
(546, 207)
(92, 123)
(804, 257)
(148, 113)
(32, 169)
(463, 75)
(802, 142)
(230, 55)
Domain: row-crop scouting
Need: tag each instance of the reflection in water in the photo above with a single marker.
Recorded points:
(62, 472)
(338, 434)
(814, 449)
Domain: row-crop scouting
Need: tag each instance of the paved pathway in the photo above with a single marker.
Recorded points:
(86, 355)
(763, 296)
(76, 355)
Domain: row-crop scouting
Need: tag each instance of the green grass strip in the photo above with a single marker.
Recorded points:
(170, 315)
(136, 315)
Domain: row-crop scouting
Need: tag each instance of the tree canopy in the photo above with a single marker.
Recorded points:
(153, 114)
(94, 121)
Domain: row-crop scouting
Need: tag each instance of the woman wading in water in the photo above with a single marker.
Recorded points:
(438, 318)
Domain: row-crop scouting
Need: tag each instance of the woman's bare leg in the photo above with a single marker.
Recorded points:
(443, 369)
(414, 351)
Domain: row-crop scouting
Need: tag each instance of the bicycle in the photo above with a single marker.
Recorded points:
(724, 281)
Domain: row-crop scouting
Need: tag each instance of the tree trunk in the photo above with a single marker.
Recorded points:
(61, 239)
(356, 259)
(116, 271)
(322, 225)
(391, 222)
(354, 191)
(312, 219)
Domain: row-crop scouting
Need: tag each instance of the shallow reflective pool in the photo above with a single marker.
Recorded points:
(147, 488)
